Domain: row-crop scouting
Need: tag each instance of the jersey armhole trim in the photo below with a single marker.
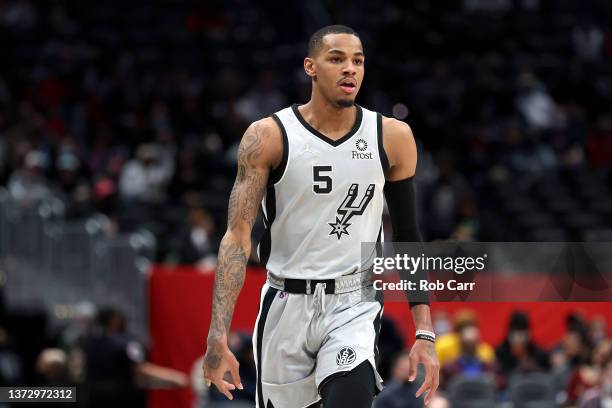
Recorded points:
(277, 174)
(384, 160)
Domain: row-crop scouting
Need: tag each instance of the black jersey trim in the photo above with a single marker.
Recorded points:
(265, 245)
(277, 174)
(377, 326)
(379, 240)
(315, 132)
(261, 324)
(384, 160)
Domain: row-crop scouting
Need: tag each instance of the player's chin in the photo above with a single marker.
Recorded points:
(345, 102)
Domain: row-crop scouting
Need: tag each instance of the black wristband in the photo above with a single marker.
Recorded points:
(425, 337)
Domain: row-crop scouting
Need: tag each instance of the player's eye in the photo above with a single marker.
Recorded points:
(358, 62)
(336, 60)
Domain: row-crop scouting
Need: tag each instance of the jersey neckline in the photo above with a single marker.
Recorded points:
(326, 139)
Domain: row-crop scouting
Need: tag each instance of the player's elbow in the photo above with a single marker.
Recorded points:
(238, 234)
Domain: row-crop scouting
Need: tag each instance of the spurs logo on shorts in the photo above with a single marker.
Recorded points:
(347, 210)
(345, 356)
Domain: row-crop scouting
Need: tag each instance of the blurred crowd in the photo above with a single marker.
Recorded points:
(91, 349)
(135, 111)
(95, 350)
(576, 372)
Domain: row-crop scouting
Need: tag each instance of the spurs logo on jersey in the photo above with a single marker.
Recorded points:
(325, 198)
(347, 210)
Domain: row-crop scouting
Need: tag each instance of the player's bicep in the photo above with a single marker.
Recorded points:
(245, 198)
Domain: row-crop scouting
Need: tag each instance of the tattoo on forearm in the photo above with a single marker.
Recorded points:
(244, 201)
(228, 282)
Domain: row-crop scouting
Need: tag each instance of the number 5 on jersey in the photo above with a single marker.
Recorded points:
(322, 182)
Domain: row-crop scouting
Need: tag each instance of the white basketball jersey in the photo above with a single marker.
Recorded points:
(325, 198)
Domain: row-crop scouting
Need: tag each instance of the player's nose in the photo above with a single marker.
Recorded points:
(349, 69)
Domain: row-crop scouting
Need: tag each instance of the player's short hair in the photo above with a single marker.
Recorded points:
(316, 40)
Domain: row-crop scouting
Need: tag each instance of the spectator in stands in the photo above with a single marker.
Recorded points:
(262, 99)
(52, 371)
(588, 41)
(587, 376)
(535, 103)
(74, 334)
(449, 346)
(10, 364)
(446, 199)
(600, 396)
(73, 189)
(115, 361)
(198, 244)
(399, 392)
(442, 323)
(569, 354)
(52, 366)
(518, 353)
(28, 185)
(145, 178)
(468, 363)
(598, 330)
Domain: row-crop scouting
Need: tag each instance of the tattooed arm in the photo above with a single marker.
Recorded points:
(259, 151)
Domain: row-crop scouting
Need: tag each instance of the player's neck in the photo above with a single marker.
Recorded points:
(327, 118)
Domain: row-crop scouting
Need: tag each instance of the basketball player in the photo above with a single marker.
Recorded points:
(319, 171)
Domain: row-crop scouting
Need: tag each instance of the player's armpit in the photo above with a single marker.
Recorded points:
(400, 147)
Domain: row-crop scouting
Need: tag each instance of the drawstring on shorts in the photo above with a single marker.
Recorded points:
(320, 293)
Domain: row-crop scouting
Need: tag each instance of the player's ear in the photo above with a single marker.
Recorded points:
(309, 67)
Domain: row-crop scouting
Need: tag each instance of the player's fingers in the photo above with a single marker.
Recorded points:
(224, 388)
(428, 379)
(234, 372)
(434, 386)
(414, 365)
(206, 375)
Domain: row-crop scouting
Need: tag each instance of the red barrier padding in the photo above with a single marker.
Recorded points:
(180, 306)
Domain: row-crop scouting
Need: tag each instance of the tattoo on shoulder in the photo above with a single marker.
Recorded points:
(251, 148)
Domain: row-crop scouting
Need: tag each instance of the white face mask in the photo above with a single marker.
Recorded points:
(606, 402)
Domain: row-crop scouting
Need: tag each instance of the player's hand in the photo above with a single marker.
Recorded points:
(219, 360)
(424, 352)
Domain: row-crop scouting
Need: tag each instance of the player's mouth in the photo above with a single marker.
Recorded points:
(348, 86)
